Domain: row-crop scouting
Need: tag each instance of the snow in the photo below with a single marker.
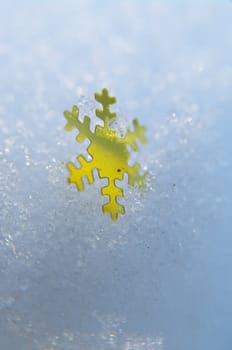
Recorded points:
(158, 278)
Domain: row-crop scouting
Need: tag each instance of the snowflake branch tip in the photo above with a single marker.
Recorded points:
(72, 118)
(105, 114)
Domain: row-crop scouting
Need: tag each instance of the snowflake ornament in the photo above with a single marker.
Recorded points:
(108, 151)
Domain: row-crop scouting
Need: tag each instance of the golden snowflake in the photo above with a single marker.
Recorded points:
(108, 151)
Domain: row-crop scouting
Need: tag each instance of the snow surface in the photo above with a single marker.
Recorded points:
(160, 277)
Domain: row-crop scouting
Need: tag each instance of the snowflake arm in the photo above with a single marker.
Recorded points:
(74, 122)
(105, 114)
(132, 136)
(134, 176)
(77, 174)
(112, 207)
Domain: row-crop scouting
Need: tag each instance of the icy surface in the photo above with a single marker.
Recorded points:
(160, 277)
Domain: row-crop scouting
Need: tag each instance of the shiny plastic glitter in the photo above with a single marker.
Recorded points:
(108, 151)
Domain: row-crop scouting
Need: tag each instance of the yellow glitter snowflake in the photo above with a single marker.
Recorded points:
(108, 151)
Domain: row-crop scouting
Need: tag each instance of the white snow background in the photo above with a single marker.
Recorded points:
(160, 277)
